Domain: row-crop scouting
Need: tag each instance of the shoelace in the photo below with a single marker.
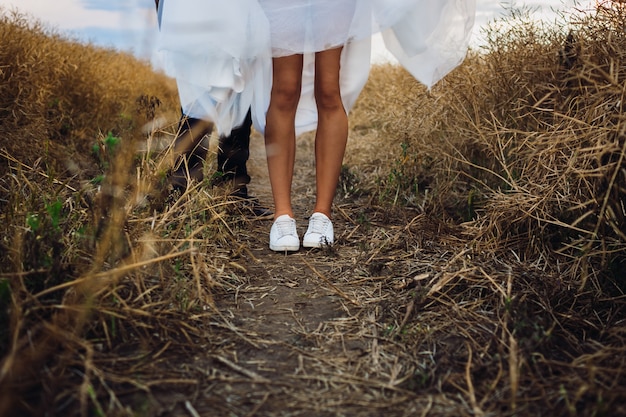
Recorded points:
(285, 227)
(318, 224)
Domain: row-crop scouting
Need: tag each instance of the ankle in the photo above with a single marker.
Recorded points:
(325, 212)
(289, 213)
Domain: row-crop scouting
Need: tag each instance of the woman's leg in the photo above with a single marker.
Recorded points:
(280, 134)
(332, 128)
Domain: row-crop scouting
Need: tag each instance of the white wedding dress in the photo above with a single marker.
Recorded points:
(220, 52)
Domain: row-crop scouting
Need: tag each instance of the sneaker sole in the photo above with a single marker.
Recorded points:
(284, 248)
(315, 245)
(311, 244)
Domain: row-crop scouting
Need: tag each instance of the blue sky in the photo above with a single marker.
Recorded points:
(131, 24)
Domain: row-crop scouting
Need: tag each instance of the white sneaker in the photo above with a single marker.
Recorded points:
(320, 232)
(283, 234)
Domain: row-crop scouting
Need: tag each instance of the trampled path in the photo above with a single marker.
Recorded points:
(318, 332)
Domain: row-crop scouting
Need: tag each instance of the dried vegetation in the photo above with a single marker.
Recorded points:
(479, 267)
(525, 141)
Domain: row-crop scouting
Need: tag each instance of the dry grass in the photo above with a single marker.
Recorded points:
(67, 93)
(84, 254)
(479, 267)
(525, 142)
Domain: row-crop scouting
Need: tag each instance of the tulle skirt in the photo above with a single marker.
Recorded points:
(220, 52)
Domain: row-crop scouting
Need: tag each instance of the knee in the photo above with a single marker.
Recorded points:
(286, 96)
(328, 99)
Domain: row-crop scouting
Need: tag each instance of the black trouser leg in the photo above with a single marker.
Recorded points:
(190, 147)
(233, 154)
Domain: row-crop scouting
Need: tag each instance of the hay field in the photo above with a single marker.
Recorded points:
(479, 266)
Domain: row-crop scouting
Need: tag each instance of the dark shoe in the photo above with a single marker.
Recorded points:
(180, 178)
(251, 204)
(258, 210)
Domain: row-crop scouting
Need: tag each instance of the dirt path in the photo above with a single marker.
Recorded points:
(317, 332)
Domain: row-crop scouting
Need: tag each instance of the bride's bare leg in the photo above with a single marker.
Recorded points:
(280, 135)
(332, 128)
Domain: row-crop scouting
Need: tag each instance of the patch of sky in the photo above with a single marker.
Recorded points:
(110, 5)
